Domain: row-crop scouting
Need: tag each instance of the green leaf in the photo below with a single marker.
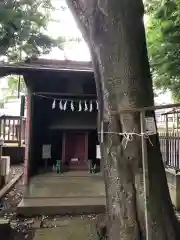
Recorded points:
(163, 33)
(22, 27)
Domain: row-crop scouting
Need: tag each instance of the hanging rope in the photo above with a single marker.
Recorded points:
(72, 104)
(62, 99)
(129, 136)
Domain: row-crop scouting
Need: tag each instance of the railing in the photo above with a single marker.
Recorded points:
(170, 149)
(12, 129)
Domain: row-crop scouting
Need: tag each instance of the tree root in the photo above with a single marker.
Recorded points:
(101, 226)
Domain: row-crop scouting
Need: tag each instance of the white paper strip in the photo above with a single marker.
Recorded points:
(72, 106)
(85, 106)
(80, 106)
(54, 104)
(91, 106)
(65, 106)
(150, 126)
(60, 105)
(98, 152)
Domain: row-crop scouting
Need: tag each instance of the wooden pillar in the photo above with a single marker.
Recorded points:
(27, 140)
(86, 147)
(2, 178)
(145, 176)
(177, 123)
(4, 128)
(0, 127)
(167, 141)
(64, 148)
(21, 119)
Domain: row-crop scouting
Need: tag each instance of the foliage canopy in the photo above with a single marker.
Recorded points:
(23, 33)
(163, 31)
(23, 28)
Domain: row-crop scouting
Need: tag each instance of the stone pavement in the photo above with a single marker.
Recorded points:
(54, 228)
(68, 229)
(70, 193)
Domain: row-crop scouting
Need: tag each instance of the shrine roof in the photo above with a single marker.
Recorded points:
(32, 64)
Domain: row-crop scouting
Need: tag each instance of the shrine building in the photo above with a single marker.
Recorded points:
(61, 114)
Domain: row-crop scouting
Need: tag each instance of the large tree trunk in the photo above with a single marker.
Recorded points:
(115, 34)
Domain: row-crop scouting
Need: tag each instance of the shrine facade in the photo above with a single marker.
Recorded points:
(61, 116)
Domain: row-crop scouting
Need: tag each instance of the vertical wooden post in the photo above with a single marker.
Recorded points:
(177, 141)
(173, 121)
(177, 122)
(86, 148)
(19, 134)
(9, 129)
(4, 128)
(145, 176)
(0, 126)
(2, 178)
(63, 148)
(21, 119)
(27, 140)
(167, 141)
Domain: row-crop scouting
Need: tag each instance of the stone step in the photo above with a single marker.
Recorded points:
(30, 207)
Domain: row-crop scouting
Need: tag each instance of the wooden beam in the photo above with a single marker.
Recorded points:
(10, 117)
(150, 108)
(65, 94)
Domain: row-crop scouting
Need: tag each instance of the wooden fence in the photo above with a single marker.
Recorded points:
(170, 149)
(12, 129)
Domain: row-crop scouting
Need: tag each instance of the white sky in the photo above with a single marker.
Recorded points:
(67, 27)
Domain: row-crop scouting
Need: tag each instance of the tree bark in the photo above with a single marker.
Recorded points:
(114, 31)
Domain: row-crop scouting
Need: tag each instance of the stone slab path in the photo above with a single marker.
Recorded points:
(68, 229)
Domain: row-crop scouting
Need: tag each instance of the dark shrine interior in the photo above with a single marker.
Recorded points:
(48, 124)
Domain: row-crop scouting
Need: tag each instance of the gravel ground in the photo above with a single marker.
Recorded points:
(24, 229)
(10, 201)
